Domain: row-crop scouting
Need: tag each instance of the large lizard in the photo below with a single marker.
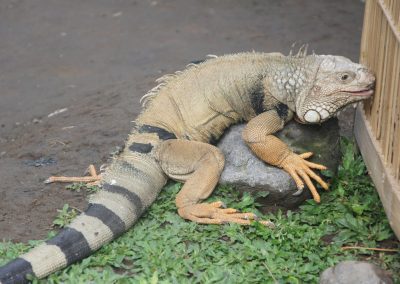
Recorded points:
(171, 139)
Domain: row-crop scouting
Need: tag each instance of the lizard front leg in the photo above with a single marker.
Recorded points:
(199, 166)
(272, 150)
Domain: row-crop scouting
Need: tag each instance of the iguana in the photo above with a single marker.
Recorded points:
(173, 136)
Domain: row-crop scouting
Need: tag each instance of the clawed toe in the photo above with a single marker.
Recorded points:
(269, 224)
(211, 213)
(302, 172)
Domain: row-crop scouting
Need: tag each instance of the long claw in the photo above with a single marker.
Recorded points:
(298, 192)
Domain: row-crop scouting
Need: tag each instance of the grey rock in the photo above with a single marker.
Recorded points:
(247, 173)
(350, 272)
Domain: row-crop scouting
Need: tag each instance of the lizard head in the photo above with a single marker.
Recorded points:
(337, 82)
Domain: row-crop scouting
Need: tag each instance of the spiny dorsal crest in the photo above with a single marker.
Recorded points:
(164, 80)
(301, 53)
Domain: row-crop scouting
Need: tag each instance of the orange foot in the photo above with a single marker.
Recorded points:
(93, 179)
(212, 213)
(301, 171)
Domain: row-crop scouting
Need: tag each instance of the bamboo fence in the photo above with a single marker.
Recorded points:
(377, 126)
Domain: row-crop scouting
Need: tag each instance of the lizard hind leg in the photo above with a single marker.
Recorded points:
(199, 166)
(92, 179)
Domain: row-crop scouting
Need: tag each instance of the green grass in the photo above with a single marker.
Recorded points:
(64, 216)
(163, 248)
(78, 186)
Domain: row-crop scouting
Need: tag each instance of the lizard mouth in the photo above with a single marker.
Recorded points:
(362, 93)
(366, 92)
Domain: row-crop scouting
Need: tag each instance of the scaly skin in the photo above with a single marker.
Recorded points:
(171, 139)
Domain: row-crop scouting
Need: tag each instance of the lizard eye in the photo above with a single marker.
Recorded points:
(345, 77)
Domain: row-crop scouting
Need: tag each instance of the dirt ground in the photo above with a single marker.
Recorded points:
(97, 58)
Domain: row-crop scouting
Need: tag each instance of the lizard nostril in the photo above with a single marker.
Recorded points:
(371, 86)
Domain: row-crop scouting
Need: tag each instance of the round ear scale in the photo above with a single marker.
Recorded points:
(312, 116)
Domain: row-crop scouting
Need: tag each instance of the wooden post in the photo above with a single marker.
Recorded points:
(385, 183)
(377, 123)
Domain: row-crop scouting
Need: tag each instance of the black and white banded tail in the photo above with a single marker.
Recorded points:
(129, 186)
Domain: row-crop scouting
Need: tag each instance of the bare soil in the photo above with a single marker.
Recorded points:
(97, 58)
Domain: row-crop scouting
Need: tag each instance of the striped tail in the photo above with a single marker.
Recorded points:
(129, 186)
